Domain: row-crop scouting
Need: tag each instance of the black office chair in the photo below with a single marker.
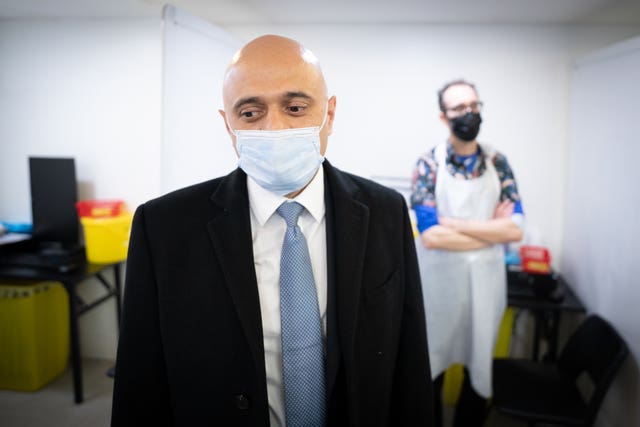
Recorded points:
(547, 393)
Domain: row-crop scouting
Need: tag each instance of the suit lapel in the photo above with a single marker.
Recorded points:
(347, 226)
(230, 234)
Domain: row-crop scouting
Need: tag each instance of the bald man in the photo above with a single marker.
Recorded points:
(201, 339)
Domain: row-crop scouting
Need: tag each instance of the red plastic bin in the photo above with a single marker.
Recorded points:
(535, 259)
(99, 208)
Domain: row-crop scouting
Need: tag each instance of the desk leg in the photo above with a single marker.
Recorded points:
(553, 336)
(537, 325)
(116, 272)
(76, 363)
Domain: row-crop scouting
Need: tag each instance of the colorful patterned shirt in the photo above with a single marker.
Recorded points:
(423, 189)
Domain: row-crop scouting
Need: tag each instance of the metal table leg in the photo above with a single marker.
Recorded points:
(118, 285)
(76, 362)
(537, 326)
(553, 336)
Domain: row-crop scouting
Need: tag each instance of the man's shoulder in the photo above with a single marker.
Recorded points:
(497, 157)
(190, 196)
(363, 188)
(429, 155)
(427, 160)
(181, 195)
(370, 186)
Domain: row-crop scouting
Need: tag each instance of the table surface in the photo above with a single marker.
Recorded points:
(522, 293)
(29, 274)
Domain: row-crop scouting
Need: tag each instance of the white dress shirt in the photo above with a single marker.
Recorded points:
(267, 232)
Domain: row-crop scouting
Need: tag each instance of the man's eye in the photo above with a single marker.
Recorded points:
(248, 114)
(296, 109)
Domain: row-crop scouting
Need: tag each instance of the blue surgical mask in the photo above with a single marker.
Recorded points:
(280, 161)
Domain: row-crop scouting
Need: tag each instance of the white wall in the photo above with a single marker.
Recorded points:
(89, 89)
(386, 78)
(195, 143)
(601, 240)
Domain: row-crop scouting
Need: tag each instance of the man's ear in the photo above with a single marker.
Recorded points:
(226, 123)
(331, 113)
(444, 119)
(229, 131)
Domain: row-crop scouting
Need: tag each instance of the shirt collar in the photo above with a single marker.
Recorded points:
(455, 159)
(264, 203)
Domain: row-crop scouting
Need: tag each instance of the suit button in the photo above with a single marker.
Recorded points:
(242, 402)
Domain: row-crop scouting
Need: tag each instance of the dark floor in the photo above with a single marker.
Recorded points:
(52, 406)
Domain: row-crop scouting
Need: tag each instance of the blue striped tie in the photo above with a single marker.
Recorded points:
(302, 350)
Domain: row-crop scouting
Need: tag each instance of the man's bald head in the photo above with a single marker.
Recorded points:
(273, 53)
(275, 83)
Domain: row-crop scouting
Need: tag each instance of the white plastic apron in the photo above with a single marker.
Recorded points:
(464, 291)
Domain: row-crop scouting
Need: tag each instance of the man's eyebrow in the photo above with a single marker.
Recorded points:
(244, 101)
(465, 104)
(298, 94)
(257, 100)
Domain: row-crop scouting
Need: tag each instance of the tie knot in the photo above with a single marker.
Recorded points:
(290, 211)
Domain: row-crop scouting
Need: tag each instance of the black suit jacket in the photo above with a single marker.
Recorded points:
(191, 348)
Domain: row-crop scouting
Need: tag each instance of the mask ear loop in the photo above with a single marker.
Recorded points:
(325, 115)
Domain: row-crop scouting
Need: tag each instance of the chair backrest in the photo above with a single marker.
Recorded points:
(597, 349)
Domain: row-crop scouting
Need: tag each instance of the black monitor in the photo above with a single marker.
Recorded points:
(53, 199)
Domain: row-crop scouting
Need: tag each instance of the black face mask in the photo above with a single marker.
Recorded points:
(466, 127)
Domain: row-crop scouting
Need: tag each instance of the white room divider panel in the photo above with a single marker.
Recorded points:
(195, 144)
(602, 233)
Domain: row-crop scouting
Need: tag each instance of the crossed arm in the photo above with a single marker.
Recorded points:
(461, 235)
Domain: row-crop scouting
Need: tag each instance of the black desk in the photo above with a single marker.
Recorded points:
(546, 306)
(77, 307)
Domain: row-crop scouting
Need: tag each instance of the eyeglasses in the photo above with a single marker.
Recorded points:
(474, 107)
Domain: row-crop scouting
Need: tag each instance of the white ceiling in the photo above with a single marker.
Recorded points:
(229, 12)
